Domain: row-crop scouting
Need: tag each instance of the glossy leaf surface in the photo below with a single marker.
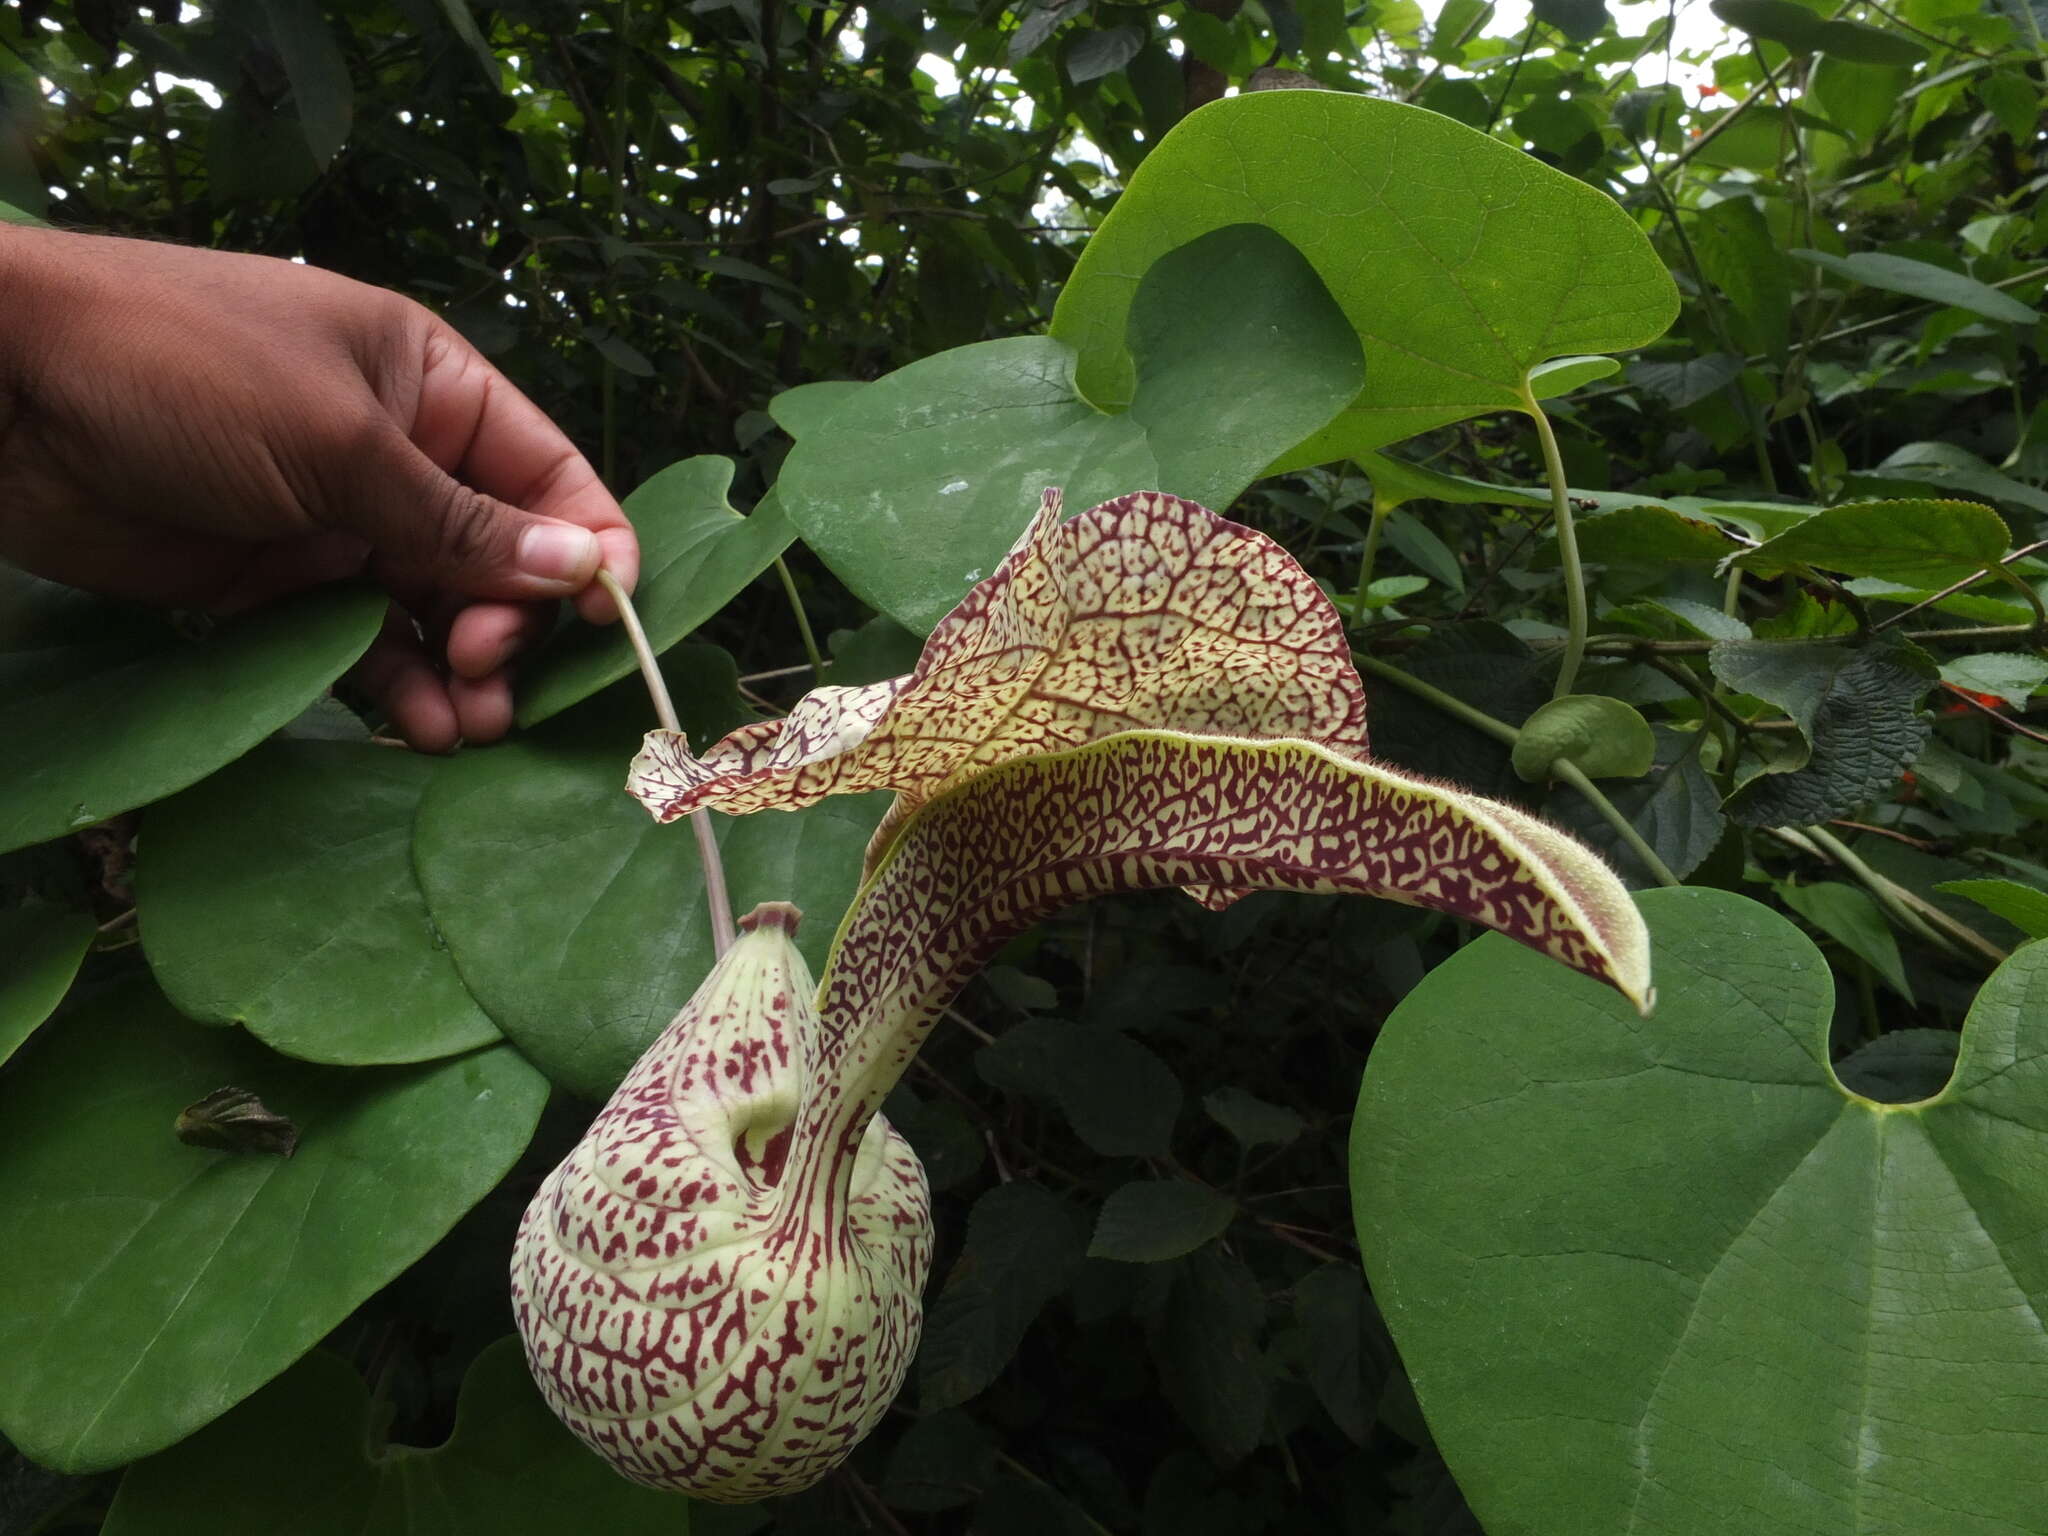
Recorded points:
(280, 894)
(104, 708)
(1461, 263)
(695, 554)
(1712, 1279)
(132, 1257)
(299, 1457)
(42, 948)
(910, 489)
(576, 922)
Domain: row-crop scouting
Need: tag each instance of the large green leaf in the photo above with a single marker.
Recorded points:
(42, 947)
(1462, 263)
(150, 1285)
(303, 1456)
(104, 708)
(695, 554)
(1676, 1257)
(914, 488)
(280, 894)
(577, 922)
(1923, 543)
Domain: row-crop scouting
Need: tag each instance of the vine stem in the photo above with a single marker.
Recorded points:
(1373, 528)
(1567, 552)
(1914, 911)
(803, 620)
(1501, 731)
(723, 931)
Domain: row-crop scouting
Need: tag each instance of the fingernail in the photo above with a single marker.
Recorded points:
(558, 552)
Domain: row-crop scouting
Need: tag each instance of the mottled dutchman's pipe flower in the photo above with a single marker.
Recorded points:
(719, 1288)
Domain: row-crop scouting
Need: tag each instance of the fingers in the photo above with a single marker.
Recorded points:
(485, 637)
(431, 712)
(472, 424)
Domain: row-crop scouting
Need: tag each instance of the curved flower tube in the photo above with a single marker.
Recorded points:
(718, 1289)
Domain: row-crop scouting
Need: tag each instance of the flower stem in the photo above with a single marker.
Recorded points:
(803, 620)
(722, 929)
(1567, 552)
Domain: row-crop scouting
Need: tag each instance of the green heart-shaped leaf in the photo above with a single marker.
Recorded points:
(104, 708)
(43, 946)
(910, 489)
(1462, 263)
(1676, 1257)
(150, 1285)
(280, 894)
(297, 1457)
(695, 554)
(577, 922)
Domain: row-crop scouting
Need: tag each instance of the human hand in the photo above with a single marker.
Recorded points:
(211, 430)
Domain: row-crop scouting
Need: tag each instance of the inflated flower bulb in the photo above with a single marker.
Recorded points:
(719, 1287)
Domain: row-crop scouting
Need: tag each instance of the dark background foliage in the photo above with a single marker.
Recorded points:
(657, 217)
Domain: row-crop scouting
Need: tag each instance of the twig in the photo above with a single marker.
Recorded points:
(2004, 567)
(803, 620)
(723, 931)
(1963, 696)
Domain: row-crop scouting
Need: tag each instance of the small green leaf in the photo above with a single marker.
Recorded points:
(1251, 1120)
(1924, 280)
(1151, 1220)
(1655, 536)
(304, 1456)
(1116, 1093)
(2011, 676)
(1021, 1244)
(104, 707)
(1848, 915)
(2025, 907)
(1562, 375)
(280, 894)
(1923, 543)
(696, 553)
(1856, 709)
(1103, 53)
(318, 71)
(1391, 589)
(1602, 737)
(132, 1257)
(43, 947)
(942, 1461)
(1206, 1348)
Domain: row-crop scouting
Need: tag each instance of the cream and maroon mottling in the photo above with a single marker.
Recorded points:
(1155, 808)
(1145, 611)
(714, 1301)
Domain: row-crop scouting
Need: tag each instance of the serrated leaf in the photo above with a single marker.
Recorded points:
(1856, 708)
(1923, 543)
(1676, 810)
(131, 1256)
(1152, 1220)
(279, 894)
(1602, 737)
(696, 553)
(1648, 536)
(1533, 264)
(1251, 1121)
(1206, 1347)
(2012, 677)
(1685, 1357)
(909, 491)
(2024, 906)
(303, 1456)
(1848, 915)
(1924, 280)
(43, 947)
(70, 663)
(1021, 1245)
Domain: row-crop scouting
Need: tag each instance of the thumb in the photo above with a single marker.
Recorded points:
(425, 521)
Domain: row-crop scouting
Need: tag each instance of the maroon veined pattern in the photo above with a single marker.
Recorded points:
(714, 1307)
(1155, 808)
(1145, 611)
